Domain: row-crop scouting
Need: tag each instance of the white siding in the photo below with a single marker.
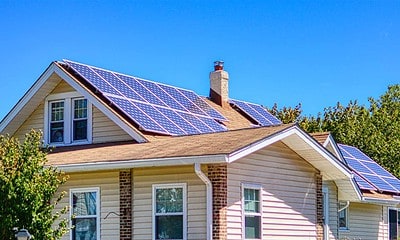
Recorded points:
(108, 182)
(366, 222)
(288, 193)
(143, 179)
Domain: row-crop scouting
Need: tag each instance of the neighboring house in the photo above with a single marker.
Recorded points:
(376, 214)
(152, 161)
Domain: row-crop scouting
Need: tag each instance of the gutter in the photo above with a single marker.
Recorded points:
(380, 201)
(204, 178)
(153, 162)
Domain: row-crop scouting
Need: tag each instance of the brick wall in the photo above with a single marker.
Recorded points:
(320, 207)
(217, 173)
(125, 204)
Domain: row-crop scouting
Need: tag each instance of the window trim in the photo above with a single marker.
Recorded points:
(98, 202)
(347, 218)
(184, 200)
(68, 98)
(255, 187)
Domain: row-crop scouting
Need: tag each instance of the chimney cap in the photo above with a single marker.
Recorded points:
(218, 65)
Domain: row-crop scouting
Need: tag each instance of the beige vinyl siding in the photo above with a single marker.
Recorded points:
(144, 178)
(35, 121)
(105, 130)
(366, 222)
(63, 87)
(333, 209)
(288, 193)
(108, 182)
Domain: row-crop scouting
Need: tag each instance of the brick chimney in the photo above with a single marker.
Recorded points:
(219, 85)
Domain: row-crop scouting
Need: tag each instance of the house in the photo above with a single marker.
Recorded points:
(152, 161)
(375, 215)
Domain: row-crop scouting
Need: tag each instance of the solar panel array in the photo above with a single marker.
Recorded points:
(153, 106)
(256, 112)
(368, 174)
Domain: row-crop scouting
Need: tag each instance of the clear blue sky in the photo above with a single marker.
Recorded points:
(311, 52)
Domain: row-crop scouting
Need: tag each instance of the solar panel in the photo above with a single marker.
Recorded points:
(364, 185)
(199, 102)
(263, 118)
(369, 171)
(154, 107)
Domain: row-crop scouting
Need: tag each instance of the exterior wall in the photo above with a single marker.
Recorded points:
(104, 130)
(366, 222)
(144, 178)
(108, 182)
(333, 209)
(288, 193)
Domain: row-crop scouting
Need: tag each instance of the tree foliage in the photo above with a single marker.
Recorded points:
(28, 188)
(375, 129)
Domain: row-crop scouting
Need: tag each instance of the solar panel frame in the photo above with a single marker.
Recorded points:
(264, 112)
(363, 184)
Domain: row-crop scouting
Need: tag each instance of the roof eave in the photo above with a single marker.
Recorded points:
(136, 163)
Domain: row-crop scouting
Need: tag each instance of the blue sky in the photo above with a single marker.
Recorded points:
(287, 52)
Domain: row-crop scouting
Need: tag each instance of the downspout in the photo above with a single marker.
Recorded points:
(344, 207)
(204, 178)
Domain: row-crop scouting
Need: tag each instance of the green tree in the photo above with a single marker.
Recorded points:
(28, 189)
(374, 129)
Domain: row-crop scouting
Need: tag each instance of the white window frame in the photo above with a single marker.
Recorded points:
(260, 214)
(184, 200)
(83, 190)
(347, 218)
(68, 99)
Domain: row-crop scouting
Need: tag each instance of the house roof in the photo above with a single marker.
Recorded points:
(222, 143)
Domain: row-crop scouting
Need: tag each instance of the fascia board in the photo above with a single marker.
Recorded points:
(27, 96)
(259, 144)
(106, 110)
(159, 162)
(380, 201)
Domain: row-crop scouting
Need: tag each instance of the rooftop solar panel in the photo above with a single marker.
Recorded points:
(252, 113)
(154, 107)
(368, 170)
(267, 115)
(364, 185)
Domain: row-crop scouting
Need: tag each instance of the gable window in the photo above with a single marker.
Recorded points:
(169, 211)
(252, 212)
(343, 216)
(68, 118)
(85, 214)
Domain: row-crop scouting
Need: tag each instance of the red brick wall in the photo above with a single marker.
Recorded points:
(125, 204)
(320, 208)
(217, 173)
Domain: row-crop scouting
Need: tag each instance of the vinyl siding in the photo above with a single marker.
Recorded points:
(104, 130)
(366, 222)
(288, 193)
(333, 209)
(144, 178)
(108, 182)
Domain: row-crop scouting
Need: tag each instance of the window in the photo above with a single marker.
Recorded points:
(68, 119)
(169, 211)
(343, 216)
(252, 212)
(394, 224)
(85, 214)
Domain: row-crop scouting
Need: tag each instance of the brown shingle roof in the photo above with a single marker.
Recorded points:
(320, 136)
(164, 147)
